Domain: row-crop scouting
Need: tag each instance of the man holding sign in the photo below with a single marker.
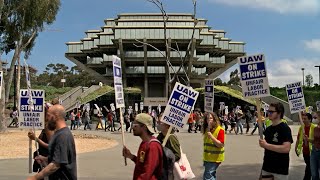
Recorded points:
(277, 145)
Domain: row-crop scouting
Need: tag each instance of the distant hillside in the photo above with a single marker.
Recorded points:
(312, 94)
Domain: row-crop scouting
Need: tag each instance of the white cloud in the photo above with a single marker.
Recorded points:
(280, 6)
(313, 44)
(286, 71)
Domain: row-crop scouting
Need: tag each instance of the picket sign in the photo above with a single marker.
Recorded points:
(296, 100)
(118, 88)
(179, 107)
(254, 81)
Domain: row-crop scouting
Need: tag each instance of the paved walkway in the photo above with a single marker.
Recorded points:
(243, 159)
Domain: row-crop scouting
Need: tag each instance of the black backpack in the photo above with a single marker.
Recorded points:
(168, 160)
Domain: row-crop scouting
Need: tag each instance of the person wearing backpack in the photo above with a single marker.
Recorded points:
(149, 161)
(213, 145)
(172, 145)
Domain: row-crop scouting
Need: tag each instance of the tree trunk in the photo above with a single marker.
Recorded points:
(11, 70)
(18, 83)
(19, 48)
(1, 8)
(3, 120)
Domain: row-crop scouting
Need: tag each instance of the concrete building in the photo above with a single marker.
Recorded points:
(211, 52)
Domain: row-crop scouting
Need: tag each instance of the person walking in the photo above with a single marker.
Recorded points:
(190, 122)
(149, 159)
(213, 145)
(86, 119)
(62, 160)
(302, 143)
(239, 125)
(315, 152)
(73, 119)
(277, 145)
(43, 141)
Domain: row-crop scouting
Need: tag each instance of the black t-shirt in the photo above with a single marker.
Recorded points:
(274, 162)
(62, 151)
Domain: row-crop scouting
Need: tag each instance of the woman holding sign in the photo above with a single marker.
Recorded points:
(213, 149)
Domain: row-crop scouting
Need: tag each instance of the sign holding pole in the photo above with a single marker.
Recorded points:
(1, 82)
(254, 81)
(179, 107)
(118, 88)
(208, 95)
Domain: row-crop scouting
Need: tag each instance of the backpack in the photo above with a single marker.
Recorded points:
(168, 160)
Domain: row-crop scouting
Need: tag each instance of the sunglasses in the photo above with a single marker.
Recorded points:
(270, 112)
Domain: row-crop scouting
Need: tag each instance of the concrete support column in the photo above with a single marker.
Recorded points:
(145, 62)
(191, 54)
(123, 64)
(168, 84)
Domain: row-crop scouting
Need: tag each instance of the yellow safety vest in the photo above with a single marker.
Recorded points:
(211, 153)
(268, 122)
(300, 142)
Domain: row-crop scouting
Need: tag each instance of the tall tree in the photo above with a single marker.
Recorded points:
(234, 78)
(309, 80)
(22, 22)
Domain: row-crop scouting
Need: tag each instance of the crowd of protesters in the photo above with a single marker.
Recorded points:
(153, 161)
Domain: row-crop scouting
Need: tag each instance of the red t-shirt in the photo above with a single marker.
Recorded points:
(148, 161)
(221, 136)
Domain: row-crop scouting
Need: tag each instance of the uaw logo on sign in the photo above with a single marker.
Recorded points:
(31, 110)
(209, 95)
(118, 87)
(295, 97)
(179, 106)
(253, 76)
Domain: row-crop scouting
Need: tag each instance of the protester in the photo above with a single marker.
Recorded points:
(213, 150)
(198, 120)
(248, 117)
(42, 140)
(73, 119)
(277, 145)
(149, 157)
(62, 161)
(86, 119)
(190, 122)
(239, 118)
(132, 118)
(315, 152)
(14, 116)
(172, 144)
(257, 123)
(302, 143)
(232, 119)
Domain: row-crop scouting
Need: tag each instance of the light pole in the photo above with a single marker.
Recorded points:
(302, 76)
(319, 74)
(63, 80)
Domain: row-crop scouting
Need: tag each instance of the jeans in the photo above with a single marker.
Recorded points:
(307, 172)
(256, 126)
(210, 170)
(73, 124)
(315, 163)
(239, 126)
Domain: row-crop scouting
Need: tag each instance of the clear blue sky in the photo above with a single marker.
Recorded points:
(287, 32)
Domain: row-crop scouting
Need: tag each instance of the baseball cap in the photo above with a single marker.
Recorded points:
(145, 119)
